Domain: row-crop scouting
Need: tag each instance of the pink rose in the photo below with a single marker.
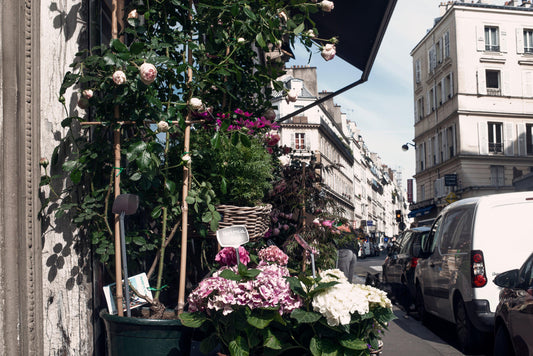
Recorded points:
(148, 73)
(88, 93)
(119, 77)
(326, 5)
(328, 52)
(44, 162)
(196, 104)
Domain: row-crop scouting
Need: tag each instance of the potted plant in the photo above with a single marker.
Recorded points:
(264, 310)
(134, 106)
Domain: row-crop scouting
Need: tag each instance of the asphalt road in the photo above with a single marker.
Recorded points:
(406, 334)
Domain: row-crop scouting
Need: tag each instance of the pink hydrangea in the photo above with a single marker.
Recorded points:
(268, 289)
(228, 257)
(273, 254)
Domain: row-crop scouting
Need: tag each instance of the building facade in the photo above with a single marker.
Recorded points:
(367, 190)
(473, 100)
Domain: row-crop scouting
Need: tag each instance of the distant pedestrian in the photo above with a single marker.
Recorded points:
(347, 256)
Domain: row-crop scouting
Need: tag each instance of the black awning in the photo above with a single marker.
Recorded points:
(420, 212)
(360, 26)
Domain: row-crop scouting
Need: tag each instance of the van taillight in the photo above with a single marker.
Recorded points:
(479, 278)
(414, 262)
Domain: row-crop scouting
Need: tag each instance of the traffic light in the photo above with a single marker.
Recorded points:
(399, 216)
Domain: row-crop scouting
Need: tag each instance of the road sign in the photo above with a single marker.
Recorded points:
(450, 180)
(451, 197)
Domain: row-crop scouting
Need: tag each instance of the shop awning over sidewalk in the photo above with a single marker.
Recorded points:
(420, 212)
(360, 27)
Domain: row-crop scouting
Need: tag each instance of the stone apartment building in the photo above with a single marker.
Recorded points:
(473, 99)
(358, 181)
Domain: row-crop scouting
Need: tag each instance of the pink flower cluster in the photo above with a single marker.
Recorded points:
(244, 120)
(273, 254)
(228, 257)
(268, 289)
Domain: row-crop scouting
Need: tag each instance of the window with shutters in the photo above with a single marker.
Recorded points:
(439, 94)
(492, 41)
(418, 78)
(448, 87)
(432, 59)
(446, 44)
(420, 108)
(529, 138)
(299, 141)
(528, 41)
(438, 51)
(431, 97)
(495, 137)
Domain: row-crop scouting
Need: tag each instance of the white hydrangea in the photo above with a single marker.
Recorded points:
(338, 303)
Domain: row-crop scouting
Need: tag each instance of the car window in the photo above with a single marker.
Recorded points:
(406, 243)
(431, 241)
(418, 242)
(525, 277)
(402, 241)
(456, 231)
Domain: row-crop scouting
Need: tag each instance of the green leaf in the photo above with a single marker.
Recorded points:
(235, 138)
(215, 141)
(156, 213)
(45, 180)
(135, 176)
(353, 343)
(271, 341)
(69, 166)
(190, 199)
(139, 240)
(207, 217)
(136, 48)
(315, 347)
(229, 274)
(303, 316)
(239, 347)
(245, 140)
(223, 185)
(248, 12)
(193, 320)
(171, 186)
(260, 40)
(119, 46)
(75, 176)
(208, 344)
(262, 319)
(143, 161)
(299, 29)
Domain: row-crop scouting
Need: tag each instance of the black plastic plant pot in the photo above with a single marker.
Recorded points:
(153, 337)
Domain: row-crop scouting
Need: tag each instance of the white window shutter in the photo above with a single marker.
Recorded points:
(522, 149)
(480, 37)
(454, 143)
(445, 143)
(508, 134)
(483, 139)
(436, 150)
(416, 110)
(527, 84)
(428, 109)
(443, 97)
(293, 140)
(520, 40)
(451, 84)
(481, 82)
(503, 40)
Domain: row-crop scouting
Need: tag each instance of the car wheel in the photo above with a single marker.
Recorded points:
(502, 342)
(467, 335)
(419, 305)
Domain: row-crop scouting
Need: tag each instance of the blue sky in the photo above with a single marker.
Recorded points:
(382, 107)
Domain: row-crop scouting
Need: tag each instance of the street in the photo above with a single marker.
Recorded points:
(407, 335)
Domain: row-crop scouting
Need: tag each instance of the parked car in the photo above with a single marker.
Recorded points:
(514, 314)
(471, 241)
(399, 266)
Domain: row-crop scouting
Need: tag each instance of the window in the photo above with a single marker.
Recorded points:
(448, 86)
(492, 42)
(432, 59)
(450, 141)
(299, 141)
(438, 50)
(529, 138)
(431, 97)
(495, 137)
(492, 81)
(457, 231)
(439, 93)
(417, 71)
(497, 177)
(420, 108)
(528, 41)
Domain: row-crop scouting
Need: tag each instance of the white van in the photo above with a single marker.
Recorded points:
(472, 241)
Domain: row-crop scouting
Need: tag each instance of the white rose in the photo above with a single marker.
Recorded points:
(311, 34)
(148, 73)
(326, 5)
(162, 126)
(283, 16)
(328, 52)
(240, 40)
(292, 95)
(186, 157)
(195, 103)
(119, 77)
(133, 15)
(278, 44)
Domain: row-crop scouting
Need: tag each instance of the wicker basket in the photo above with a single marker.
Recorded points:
(256, 218)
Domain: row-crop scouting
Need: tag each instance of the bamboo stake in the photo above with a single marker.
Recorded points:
(116, 20)
(185, 190)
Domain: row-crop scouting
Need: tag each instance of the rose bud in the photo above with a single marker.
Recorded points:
(186, 158)
(148, 73)
(44, 162)
(119, 77)
(283, 16)
(88, 93)
(162, 126)
(195, 103)
(133, 15)
(278, 44)
(328, 52)
(311, 34)
(275, 232)
(326, 5)
(285, 227)
(240, 40)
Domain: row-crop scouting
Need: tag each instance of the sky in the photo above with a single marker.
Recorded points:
(382, 107)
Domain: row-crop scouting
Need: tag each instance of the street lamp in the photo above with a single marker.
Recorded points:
(405, 146)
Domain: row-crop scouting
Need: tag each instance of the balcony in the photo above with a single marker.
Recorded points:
(494, 92)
